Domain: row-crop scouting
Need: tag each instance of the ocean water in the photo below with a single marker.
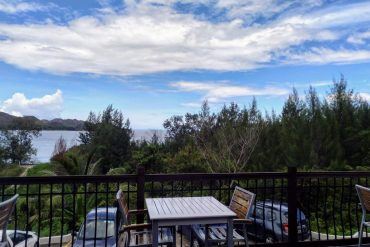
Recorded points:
(46, 142)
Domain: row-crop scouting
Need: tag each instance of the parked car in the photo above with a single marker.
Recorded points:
(18, 238)
(270, 222)
(106, 228)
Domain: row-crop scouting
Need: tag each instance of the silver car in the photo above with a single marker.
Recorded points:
(18, 238)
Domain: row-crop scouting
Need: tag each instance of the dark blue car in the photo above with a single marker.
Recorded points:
(270, 222)
(98, 229)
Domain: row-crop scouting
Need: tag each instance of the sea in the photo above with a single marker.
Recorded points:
(45, 143)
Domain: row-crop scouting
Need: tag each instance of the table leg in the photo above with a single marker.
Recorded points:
(174, 236)
(155, 233)
(230, 240)
(206, 235)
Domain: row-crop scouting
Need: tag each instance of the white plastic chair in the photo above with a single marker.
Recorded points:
(364, 196)
(6, 210)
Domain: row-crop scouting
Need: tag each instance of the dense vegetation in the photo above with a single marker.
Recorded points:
(311, 132)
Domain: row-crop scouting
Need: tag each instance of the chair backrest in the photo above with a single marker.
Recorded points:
(241, 202)
(6, 210)
(364, 196)
(122, 206)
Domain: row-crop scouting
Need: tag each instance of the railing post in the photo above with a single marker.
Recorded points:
(292, 206)
(140, 192)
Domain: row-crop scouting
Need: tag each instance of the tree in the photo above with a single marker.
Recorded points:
(16, 142)
(149, 154)
(228, 140)
(108, 136)
(294, 131)
(60, 148)
(225, 140)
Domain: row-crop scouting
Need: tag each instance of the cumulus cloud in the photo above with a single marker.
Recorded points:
(45, 107)
(12, 7)
(151, 36)
(215, 92)
(365, 96)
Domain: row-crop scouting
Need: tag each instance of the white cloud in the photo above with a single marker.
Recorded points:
(150, 38)
(12, 7)
(326, 56)
(46, 107)
(359, 38)
(365, 96)
(192, 104)
(321, 83)
(250, 10)
(221, 92)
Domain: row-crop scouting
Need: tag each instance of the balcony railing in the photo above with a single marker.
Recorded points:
(326, 201)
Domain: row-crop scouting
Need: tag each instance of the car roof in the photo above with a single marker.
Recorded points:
(102, 213)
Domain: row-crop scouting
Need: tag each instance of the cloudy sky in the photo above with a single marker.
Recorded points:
(157, 58)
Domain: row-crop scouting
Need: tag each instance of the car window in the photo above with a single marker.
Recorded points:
(17, 238)
(102, 227)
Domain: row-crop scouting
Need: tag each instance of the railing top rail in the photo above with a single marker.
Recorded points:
(328, 174)
(212, 176)
(175, 177)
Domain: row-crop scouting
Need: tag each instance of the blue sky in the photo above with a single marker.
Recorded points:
(157, 58)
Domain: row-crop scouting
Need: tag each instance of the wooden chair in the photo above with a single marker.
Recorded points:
(241, 204)
(6, 210)
(364, 196)
(139, 235)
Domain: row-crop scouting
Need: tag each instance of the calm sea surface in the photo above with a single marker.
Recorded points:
(46, 142)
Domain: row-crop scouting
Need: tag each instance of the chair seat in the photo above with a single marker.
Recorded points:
(367, 224)
(144, 238)
(217, 233)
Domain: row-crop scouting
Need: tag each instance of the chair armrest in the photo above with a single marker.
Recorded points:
(242, 221)
(135, 227)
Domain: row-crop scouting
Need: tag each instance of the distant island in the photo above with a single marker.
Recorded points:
(6, 120)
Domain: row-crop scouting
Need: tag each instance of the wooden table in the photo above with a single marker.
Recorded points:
(188, 211)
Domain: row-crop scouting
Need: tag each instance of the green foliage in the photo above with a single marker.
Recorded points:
(225, 140)
(16, 142)
(108, 137)
(76, 162)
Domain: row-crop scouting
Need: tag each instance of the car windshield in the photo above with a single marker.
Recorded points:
(102, 227)
(17, 237)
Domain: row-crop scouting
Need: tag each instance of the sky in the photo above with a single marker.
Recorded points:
(157, 58)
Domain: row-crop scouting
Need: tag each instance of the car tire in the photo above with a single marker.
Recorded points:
(269, 239)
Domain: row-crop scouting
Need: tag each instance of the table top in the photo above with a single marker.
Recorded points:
(187, 208)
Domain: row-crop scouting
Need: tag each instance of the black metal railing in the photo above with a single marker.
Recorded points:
(296, 208)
